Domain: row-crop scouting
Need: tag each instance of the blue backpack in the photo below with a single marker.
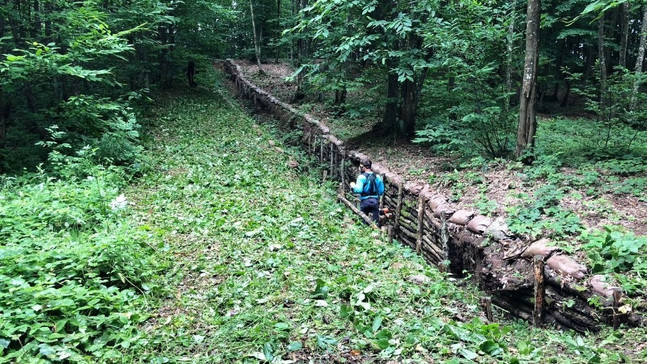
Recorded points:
(372, 185)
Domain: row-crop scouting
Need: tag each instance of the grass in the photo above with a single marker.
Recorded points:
(268, 267)
(223, 252)
(581, 143)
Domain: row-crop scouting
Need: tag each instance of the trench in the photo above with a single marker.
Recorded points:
(527, 279)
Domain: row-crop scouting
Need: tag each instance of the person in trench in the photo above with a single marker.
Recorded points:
(370, 187)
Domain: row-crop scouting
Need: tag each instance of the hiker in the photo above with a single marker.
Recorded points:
(190, 73)
(370, 187)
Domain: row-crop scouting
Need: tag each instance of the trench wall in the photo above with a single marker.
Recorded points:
(461, 241)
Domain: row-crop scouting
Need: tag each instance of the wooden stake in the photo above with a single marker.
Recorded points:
(617, 299)
(421, 211)
(444, 239)
(321, 147)
(486, 306)
(332, 160)
(341, 169)
(398, 209)
(540, 290)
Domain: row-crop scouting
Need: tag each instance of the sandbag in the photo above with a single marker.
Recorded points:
(601, 286)
(461, 217)
(539, 247)
(479, 224)
(566, 265)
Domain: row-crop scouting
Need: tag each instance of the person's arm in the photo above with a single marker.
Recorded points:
(380, 186)
(358, 187)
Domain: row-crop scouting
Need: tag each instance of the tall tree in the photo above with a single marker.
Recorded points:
(257, 46)
(528, 100)
(640, 58)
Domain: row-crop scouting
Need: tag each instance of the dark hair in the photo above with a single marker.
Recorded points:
(366, 163)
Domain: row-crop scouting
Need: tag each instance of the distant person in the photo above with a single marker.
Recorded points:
(370, 187)
(190, 73)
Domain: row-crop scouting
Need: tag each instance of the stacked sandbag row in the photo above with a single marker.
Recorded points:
(461, 241)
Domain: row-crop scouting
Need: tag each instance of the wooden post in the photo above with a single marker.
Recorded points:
(617, 299)
(540, 290)
(421, 212)
(486, 306)
(398, 209)
(341, 169)
(321, 147)
(332, 160)
(444, 239)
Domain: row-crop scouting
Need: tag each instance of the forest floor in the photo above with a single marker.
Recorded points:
(266, 267)
(501, 183)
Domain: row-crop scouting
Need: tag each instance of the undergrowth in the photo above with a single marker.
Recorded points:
(229, 250)
(74, 273)
(269, 268)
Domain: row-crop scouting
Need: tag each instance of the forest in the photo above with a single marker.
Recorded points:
(149, 213)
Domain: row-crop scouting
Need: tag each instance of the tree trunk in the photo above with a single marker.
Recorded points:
(278, 30)
(528, 99)
(35, 24)
(390, 116)
(408, 109)
(624, 34)
(340, 96)
(257, 47)
(16, 29)
(508, 68)
(164, 76)
(589, 68)
(602, 61)
(411, 90)
(640, 59)
(3, 25)
(567, 93)
(49, 8)
(293, 13)
(4, 115)
(302, 44)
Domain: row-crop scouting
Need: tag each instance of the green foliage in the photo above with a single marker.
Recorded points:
(485, 206)
(205, 28)
(614, 251)
(269, 267)
(619, 105)
(443, 138)
(76, 69)
(74, 273)
(542, 215)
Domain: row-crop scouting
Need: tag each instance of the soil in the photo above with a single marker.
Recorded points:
(501, 184)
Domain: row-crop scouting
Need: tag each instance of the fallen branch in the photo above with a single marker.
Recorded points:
(350, 205)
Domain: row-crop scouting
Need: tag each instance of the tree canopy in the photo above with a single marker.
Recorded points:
(423, 69)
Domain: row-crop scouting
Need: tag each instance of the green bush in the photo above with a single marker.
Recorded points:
(615, 251)
(71, 267)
